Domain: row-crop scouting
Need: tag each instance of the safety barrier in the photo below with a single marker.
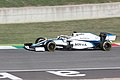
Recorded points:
(59, 13)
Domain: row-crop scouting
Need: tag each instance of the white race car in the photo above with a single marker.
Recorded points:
(75, 41)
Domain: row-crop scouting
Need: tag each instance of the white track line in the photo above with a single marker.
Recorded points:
(35, 70)
(7, 47)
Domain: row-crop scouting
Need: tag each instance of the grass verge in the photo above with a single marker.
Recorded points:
(24, 3)
(24, 33)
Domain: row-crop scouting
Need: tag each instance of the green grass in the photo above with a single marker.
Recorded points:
(22, 33)
(21, 3)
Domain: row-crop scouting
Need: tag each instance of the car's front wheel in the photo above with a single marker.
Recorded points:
(50, 46)
(39, 39)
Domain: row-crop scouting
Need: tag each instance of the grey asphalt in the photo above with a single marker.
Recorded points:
(20, 59)
(30, 65)
(90, 75)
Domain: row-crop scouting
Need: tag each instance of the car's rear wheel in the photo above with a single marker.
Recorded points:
(50, 46)
(106, 46)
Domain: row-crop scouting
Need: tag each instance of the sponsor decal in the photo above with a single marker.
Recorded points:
(79, 44)
(84, 38)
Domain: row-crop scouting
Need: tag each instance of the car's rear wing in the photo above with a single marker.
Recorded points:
(111, 37)
(108, 36)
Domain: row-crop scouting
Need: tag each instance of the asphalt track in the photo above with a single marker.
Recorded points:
(18, 60)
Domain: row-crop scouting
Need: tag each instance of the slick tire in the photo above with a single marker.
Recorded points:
(106, 46)
(50, 46)
(39, 39)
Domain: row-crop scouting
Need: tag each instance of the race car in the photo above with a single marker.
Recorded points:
(74, 41)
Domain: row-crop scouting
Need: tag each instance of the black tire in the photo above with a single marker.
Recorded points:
(106, 46)
(50, 46)
(39, 39)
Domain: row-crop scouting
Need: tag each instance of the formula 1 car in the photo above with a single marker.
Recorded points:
(75, 41)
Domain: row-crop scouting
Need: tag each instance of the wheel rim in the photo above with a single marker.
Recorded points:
(39, 40)
(106, 46)
(51, 46)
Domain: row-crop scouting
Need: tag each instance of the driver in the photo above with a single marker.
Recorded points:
(74, 32)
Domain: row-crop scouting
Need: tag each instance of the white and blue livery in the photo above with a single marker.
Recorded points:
(75, 41)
